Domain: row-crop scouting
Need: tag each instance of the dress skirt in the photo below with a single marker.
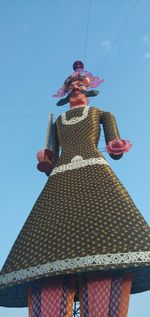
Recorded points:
(84, 219)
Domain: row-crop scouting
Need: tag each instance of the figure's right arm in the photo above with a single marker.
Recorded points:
(115, 146)
(48, 157)
(111, 131)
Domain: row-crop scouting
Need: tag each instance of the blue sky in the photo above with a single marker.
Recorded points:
(40, 39)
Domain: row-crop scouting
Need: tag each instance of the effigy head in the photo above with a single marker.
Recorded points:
(76, 86)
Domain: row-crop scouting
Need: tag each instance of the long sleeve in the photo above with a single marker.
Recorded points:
(111, 131)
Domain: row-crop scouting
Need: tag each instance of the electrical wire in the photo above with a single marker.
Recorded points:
(20, 118)
(118, 34)
(85, 49)
(139, 169)
(87, 30)
(22, 106)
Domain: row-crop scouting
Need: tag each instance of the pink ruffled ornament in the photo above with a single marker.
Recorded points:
(44, 157)
(44, 154)
(78, 67)
(118, 146)
(60, 92)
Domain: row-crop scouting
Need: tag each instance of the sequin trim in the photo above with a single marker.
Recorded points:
(78, 162)
(76, 263)
(75, 120)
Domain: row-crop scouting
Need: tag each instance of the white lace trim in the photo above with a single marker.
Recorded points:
(75, 119)
(79, 106)
(78, 162)
(76, 263)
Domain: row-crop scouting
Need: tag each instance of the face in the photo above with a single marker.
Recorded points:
(77, 97)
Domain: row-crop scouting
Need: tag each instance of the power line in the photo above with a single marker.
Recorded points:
(20, 118)
(139, 169)
(118, 34)
(22, 106)
(87, 30)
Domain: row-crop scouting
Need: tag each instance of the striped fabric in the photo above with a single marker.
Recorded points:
(99, 296)
(104, 297)
(54, 298)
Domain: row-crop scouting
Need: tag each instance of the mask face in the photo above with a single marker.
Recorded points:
(78, 94)
(77, 97)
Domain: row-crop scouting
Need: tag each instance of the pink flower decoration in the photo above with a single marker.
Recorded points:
(44, 154)
(60, 92)
(44, 157)
(95, 81)
(118, 146)
(40, 155)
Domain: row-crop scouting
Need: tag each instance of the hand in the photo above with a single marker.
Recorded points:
(45, 164)
(44, 154)
(118, 146)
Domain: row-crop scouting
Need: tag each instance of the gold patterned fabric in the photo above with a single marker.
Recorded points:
(83, 220)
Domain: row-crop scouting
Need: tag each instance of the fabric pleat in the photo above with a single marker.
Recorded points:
(51, 294)
(70, 299)
(98, 295)
(36, 302)
(81, 302)
(30, 307)
(124, 296)
(83, 297)
(54, 298)
(64, 299)
(115, 297)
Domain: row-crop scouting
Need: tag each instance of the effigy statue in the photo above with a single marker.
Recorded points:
(84, 235)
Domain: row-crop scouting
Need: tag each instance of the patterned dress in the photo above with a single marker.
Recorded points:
(83, 220)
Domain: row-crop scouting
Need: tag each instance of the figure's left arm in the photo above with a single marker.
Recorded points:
(115, 146)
